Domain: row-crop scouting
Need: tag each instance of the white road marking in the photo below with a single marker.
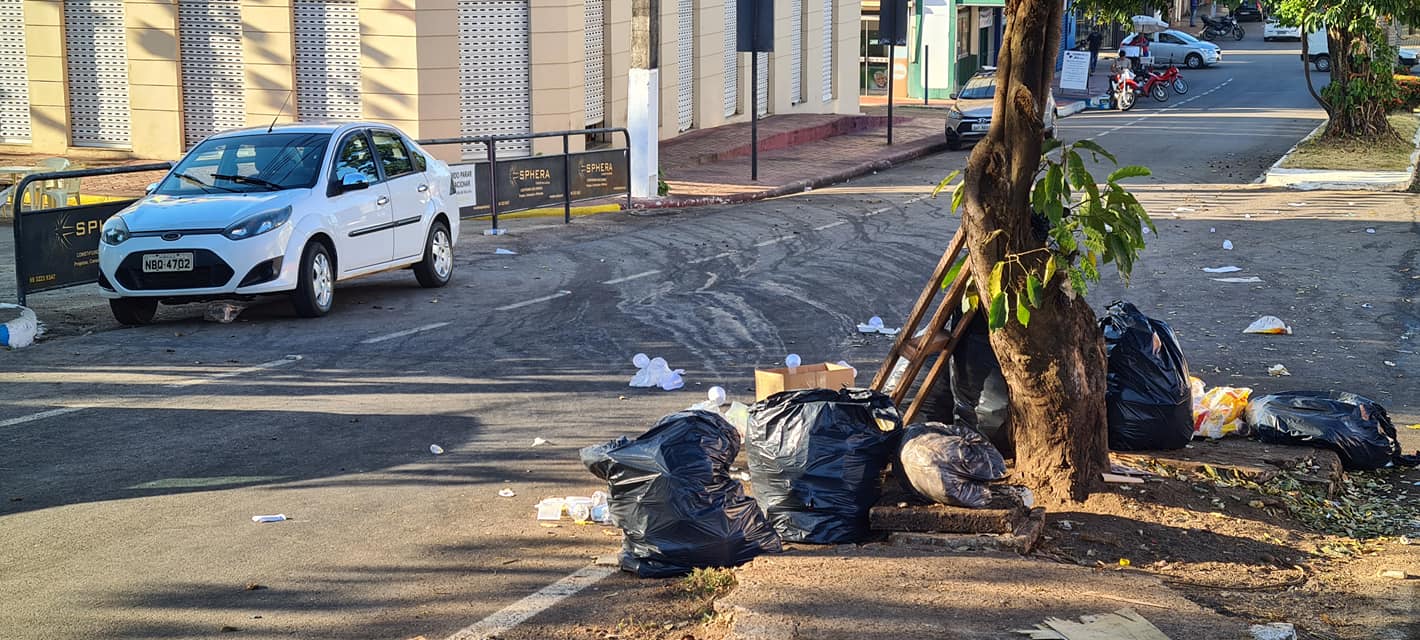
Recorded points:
(525, 303)
(633, 277)
(235, 372)
(722, 254)
(39, 416)
(51, 413)
(1165, 109)
(518, 612)
(830, 225)
(772, 241)
(406, 332)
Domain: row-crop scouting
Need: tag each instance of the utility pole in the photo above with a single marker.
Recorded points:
(643, 117)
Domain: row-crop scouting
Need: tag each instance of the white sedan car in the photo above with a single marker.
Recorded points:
(1273, 30)
(286, 209)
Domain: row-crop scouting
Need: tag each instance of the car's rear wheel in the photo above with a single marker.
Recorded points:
(1193, 61)
(1323, 63)
(315, 284)
(437, 267)
(133, 311)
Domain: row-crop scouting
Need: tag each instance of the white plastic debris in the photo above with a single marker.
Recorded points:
(873, 325)
(1370, 230)
(223, 312)
(280, 517)
(500, 251)
(1184, 209)
(1212, 229)
(1247, 280)
(1388, 363)
(1227, 245)
(506, 493)
(494, 232)
(792, 361)
(844, 363)
(436, 449)
(21, 331)
(539, 442)
(672, 379)
(714, 399)
(1274, 631)
(550, 509)
(654, 372)
(642, 362)
(601, 512)
(1296, 204)
(1227, 269)
(1269, 325)
(1278, 370)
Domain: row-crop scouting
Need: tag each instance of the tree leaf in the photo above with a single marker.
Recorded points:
(953, 272)
(958, 196)
(941, 186)
(997, 316)
(1051, 266)
(1035, 290)
(1094, 147)
(1077, 281)
(1022, 313)
(1131, 171)
(993, 286)
(1050, 145)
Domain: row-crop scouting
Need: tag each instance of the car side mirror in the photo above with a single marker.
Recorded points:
(150, 188)
(353, 182)
(952, 95)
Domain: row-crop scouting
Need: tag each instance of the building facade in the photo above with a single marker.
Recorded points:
(150, 78)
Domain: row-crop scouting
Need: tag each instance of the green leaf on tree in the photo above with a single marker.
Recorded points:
(1035, 290)
(1095, 148)
(1051, 266)
(997, 316)
(953, 272)
(1131, 171)
(958, 196)
(1022, 313)
(993, 286)
(941, 186)
(1077, 281)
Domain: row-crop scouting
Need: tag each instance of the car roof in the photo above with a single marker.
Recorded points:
(305, 127)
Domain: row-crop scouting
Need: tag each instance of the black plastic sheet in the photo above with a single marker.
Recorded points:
(673, 497)
(816, 458)
(1355, 427)
(1149, 404)
(949, 463)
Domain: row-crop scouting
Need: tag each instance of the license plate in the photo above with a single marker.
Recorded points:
(981, 126)
(167, 262)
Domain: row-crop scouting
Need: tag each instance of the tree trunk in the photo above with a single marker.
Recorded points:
(1350, 118)
(1055, 368)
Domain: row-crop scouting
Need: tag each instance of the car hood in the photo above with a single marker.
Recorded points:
(976, 108)
(1407, 52)
(210, 211)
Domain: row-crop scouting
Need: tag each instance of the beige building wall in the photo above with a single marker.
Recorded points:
(267, 61)
(154, 79)
(389, 63)
(44, 45)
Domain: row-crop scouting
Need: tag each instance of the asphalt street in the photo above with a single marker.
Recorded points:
(135, 458)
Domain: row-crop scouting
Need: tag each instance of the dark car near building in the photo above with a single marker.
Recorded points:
(1248, 11)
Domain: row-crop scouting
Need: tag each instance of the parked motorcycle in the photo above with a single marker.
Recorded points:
(1171, 77)
(1215, 28)
(1123, 88)
(1155, 85)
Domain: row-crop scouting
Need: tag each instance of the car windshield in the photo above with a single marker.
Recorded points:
(979, 88)
(1183, 36)
(248, 163)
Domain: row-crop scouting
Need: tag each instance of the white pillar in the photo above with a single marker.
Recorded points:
(643, 120)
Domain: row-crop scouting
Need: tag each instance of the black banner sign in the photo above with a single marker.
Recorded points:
(530, 183)
(58, 248)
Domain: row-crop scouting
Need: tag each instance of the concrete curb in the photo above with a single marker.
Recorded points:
(1316, 179)
(1065, 111)
(911, 151)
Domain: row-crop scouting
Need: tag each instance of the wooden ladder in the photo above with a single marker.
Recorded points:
(936, 341)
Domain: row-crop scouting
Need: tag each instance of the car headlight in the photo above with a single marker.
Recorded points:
(258, 224)
(115, 231)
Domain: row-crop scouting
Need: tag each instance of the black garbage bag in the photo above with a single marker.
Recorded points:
(816, 458)
(1149, 404)
(971, 392)
(1355, 427)
(672, 495)
(949, 463)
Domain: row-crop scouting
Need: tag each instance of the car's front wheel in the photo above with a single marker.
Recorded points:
(1193, 61)
(315, 284)
(438, 264)
(1323, 63)
(133, 311)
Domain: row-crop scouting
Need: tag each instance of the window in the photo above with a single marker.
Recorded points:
(242, 164)
(394, 158)
(355, 157)
(1168, 38)
(979, 88)
(420, 162)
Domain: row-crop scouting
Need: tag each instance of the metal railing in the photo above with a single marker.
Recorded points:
(76, 230)
(490, 144)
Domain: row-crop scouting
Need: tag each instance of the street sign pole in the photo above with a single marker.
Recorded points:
(892, 72)
(754, 116)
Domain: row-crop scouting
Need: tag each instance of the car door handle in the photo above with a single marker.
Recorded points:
(384, 200)
(423, 188)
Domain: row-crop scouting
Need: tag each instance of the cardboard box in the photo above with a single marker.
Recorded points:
(768, 382)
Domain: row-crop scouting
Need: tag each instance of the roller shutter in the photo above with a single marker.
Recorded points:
(594, 62)
(796, 51)
(827, 78)
(96, 59)
(494, 73)
(327, 59)
(14, 75)
(732, 62)
(685, 64)
(762, 60)
(210, 43)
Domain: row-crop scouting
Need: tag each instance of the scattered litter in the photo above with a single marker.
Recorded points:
(1228, 245)
(601, 510)
(1212, 229)
(875, 325)
(1218, 412)
(1247, 280)
(494, 232)
(654, 372)
(1184, 209)
(537, 442)
(1124, 623)
(950, 464)
(1278, 370)
(579, 508)
(223, 312)
(1388, 363)
(1296, 204)
(21, 331)
(1271, 325)
(436, 449)
(504, 252)
(1395, 574)
(1124, 562)
(506, 493)
(1367, 305)
(550, 508)
(1065, 525)
(792, 361)
(1370, 230)
(1227, 269)
(1116, 478)
(1415, 426)
(1355, 427)
(1274, 631)
(280, 517)
(715, 397)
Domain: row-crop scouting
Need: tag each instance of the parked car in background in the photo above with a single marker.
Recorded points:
(290, 209)
(1178, 48)
(970, 117)
(1275, 30)
(1320, 56)
(1248, 11)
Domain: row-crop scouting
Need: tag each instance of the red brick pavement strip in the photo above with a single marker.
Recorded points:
(800, 167)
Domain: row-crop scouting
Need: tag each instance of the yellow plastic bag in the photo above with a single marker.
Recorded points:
(1219, 411)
